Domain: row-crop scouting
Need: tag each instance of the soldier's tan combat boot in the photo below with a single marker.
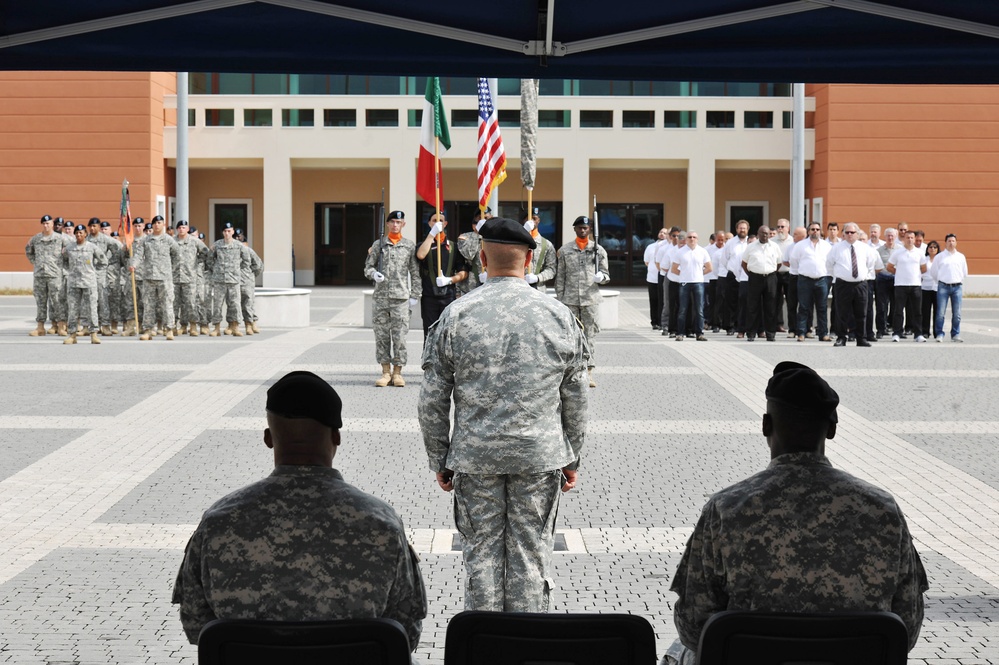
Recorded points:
(235, 330)
(397, 379)
(194, 329)
(589, 373)
(54, 329)
(146, 335)
(130, 328)
(169, 334)
(256, 328)
(94, 339)
(39, 331)
(205, 330)
(228, 328)
(180, 330)
(386, 376)
(60, 329)
(249, 328)
(114, 327)
(216, 332)
(106, 330)
(70, 340)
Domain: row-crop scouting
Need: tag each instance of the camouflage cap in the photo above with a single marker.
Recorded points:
(305, 395)
(802, 389)
(506, 232)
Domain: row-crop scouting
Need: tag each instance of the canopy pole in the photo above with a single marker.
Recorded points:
(182, 175)
(798, 157)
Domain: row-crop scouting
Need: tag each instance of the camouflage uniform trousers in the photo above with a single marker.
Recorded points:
(249, 298)
(390, 319)
(185, 300)
(204, 304)
(82, 307)
(507, 527)
(115, 301)
(127, 306)
(588, 315)
(103, 303)
(50, 298)
(230, 295)
(157, 303)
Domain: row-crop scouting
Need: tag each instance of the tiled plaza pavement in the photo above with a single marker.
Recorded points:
(111, 453)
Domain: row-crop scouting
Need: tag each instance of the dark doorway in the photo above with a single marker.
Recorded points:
(344, 233)
(236, 213)
(751, 213)
(626, 229)
(461, 213)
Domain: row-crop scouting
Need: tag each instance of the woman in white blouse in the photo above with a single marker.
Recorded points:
(929, 290)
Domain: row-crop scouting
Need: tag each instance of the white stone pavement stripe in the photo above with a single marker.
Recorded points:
(949, 511)
(608, 540)
(47, 503)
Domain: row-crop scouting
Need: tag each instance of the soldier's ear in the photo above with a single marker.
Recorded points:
(335, 437)
(768, 425)
(268, 441)
(831, 432)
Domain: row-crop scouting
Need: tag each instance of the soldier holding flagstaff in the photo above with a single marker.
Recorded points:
(439, 271)
(582, 268)
(543, 259)
(469, 245)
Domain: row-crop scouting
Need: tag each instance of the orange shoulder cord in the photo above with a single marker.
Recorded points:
(394, 238)
(581, 243)
(534, 233)
(441, 238)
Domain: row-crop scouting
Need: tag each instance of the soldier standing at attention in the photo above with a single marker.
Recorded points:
(110, 248)
(248, 286)
(469, 245)
(129, 304)
(227, 258)
(438, 286)
(301, 544)
(203, 307)
(82, 260)
(114, 278)
(512, 362)
(397, 290)
(543, 259)
(157, 254)
(190, 253)
(44, 251)
(578, 279)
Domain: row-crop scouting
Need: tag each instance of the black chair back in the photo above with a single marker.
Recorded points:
(513, 638)
(847, 638)
(368, 641)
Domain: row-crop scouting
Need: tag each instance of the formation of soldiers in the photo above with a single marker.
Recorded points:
(83, 281)
(578, 269)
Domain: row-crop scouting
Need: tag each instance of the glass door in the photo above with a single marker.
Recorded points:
(626, 229)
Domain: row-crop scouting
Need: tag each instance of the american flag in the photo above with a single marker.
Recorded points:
(492, 156)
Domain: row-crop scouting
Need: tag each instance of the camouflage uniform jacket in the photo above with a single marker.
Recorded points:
(156, 255)
(81, 263)
(400, 267)
(799, 536)
(226, 261)
(45, 253)
(249, 272)
(300, 545)
(574, 277)
(108, 244)
(546, 254)
(191, 253)
(513, 361)
(469, 245)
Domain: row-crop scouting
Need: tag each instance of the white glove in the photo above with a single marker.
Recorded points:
(529, 225)
(379, 277)
(531, 278)
(598, 277)
(412, 303)
(478, 225)
(443, 281)
(436, 228)
(483, 276)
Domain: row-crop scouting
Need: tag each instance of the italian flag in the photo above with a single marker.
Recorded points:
(435, 140)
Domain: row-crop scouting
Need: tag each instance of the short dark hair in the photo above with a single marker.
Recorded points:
(831, 225)
(949, 236)
(933, 243)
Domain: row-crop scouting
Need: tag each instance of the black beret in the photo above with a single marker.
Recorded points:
(305, 395)
(148, 226)
(114, 234)
(45, 218)
(239, 232)
(105, 225)
(94, 220)
(157, 218)
(228, 225)
(802, 389)
(506, 232)
(138, 221)
(60, 220)
(183, 222)
(80, 227)
(396, 214)
(581, 221)
(201, 236)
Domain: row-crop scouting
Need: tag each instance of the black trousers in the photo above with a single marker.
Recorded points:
(674, 305)
(851, 306)
(655, 304)
(761, 304)
(908, 302)
(710, 304)
(791, 296)
(431, 308)
(784, 293)
(885, 296)
(731, 286)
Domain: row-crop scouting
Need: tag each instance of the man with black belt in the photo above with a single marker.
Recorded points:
(761, 261)
(732, 255)
(438, 278)
(884, 285)
(782, 238)
(849, 263)
(808, 258)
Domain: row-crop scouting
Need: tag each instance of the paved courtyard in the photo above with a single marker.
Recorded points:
(110, 454)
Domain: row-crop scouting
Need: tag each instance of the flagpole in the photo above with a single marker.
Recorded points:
(437, 197)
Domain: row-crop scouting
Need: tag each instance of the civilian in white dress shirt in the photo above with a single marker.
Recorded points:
(809, 258)
(690, 264)
(907, 264)
(950, 269)
(850, 263)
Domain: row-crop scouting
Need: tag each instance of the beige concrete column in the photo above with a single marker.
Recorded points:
(701, 196)
(277, 222)
(402, 191)
(576, 199)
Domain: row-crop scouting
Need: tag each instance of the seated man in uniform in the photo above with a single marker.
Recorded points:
(301, 544)
(800, 536)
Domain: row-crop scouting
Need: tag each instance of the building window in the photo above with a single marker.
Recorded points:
(191, 118)
(381, 117)
(258, 117)
(415, 117)
(464, 118)
(680, 119)
(508, 118)
(220, 118)
(787, 119)
(720, 119)
(596, 119)
(638, 119)
(340, 118)
(554, 119)
(758, 120)
(298, 118)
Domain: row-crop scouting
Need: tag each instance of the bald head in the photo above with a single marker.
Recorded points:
(300, 441)
(505, 260)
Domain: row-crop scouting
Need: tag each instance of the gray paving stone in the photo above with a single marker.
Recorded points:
(23, 447)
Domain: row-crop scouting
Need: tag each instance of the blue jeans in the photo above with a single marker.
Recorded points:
(813, 293)
(951, 292)
(690, 291)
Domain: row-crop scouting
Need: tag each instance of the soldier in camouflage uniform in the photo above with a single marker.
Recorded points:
(392, 265)
(190, 253)
(44, 251)
(204, 303)
(469, 245)
(82, 261)
(799, 536)
(110, 248)
(130, 306)
(157, 254)
(248, 288)
(577, 281)
(227, 259)
(512, 361)
(114, 278)
(301, 544)
(543, 259)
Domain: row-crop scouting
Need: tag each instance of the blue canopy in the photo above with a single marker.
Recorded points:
(889, 41)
